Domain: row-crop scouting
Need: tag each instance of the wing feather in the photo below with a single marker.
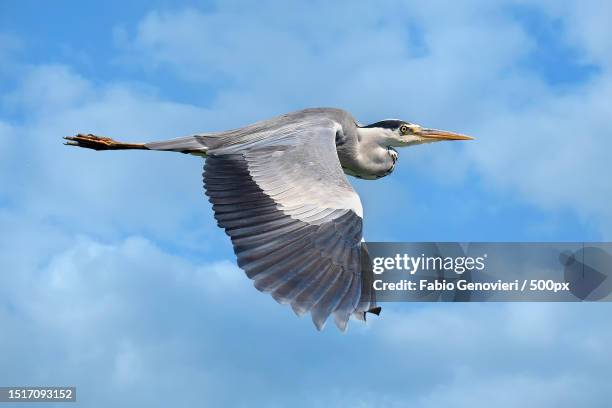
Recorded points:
(293, 218)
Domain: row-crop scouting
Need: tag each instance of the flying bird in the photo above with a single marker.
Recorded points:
(278, 189)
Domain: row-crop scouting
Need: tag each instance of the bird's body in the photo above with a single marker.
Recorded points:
(278, 189)
(361, 157)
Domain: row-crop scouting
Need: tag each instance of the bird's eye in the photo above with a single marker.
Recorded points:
(404, 129)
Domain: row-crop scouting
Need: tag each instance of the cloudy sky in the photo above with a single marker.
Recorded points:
(114, 277)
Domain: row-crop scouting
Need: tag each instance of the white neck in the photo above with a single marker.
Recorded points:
(379, 136)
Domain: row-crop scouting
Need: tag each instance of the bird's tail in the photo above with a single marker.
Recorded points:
(189, 144)
(198, 144)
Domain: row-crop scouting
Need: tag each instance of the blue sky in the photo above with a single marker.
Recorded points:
(114, 277)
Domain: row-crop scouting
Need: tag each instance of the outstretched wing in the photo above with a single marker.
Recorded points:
(294, 220)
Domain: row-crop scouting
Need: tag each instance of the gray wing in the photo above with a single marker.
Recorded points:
(294, 220)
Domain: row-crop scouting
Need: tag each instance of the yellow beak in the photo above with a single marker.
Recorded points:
(441, 134)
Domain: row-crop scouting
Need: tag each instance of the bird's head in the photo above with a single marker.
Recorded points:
(399, 133)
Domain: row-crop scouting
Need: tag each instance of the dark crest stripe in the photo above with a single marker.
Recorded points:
(386, 124)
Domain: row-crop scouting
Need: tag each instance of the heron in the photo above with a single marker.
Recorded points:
(278, 188)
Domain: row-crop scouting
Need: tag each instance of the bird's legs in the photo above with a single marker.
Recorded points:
(101, 143)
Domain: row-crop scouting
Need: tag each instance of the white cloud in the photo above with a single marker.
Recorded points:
(48, 88)
(133, 316)
(127, 314)
(77, 187)
(532, 355)
(522, 390)
(535, 143)
(546, 146)
(467, 391)
(584, 25)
